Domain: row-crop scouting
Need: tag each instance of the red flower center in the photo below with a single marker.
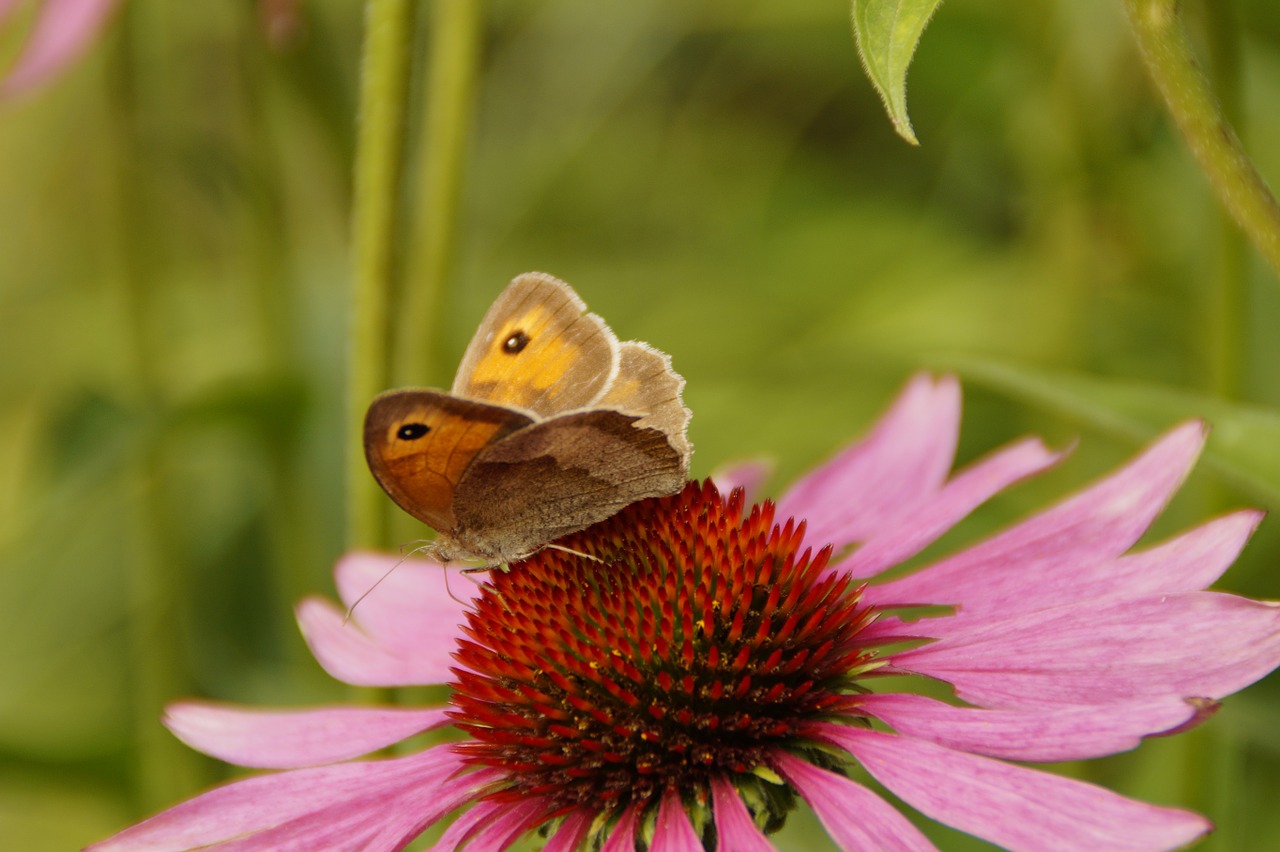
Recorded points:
(677, 641)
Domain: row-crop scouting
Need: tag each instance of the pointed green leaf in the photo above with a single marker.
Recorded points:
(1244, 446)
(887, 32)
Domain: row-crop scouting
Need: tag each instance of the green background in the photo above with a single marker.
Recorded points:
(716, 178)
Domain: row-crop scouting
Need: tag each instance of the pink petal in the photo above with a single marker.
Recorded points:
(1187, 563)
(673, 832)
(1013, 806)
(623, 836)
(467, 824)
(735, 830)
(401, 633)
(369, 797)
(279, 739)
(1194, 644)
(410, 605)
(747, 475)
(855, 817)
(904, 458)
(1039, 561)
(920, 524)
(348, 653)
(571, 832)
(62, 32)
(1070, 733)
(492, 826)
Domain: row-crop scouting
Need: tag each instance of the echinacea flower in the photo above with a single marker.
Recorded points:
(680, 676)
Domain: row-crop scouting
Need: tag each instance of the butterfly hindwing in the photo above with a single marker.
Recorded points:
(561, 475)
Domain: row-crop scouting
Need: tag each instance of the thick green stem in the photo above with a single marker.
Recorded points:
(453, 53)
(1167, 53)
(379, 161)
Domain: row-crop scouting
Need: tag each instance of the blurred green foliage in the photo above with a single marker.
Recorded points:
(716, 178)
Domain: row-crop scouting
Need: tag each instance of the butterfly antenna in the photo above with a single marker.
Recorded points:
(405, 557)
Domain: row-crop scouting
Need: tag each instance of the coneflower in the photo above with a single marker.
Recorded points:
(682, 675)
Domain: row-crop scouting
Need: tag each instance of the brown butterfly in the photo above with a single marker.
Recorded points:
(552, 425)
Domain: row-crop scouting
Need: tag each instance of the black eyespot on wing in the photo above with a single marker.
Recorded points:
(515, 342)
(412, 431)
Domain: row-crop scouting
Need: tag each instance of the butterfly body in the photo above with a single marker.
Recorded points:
(551, 425)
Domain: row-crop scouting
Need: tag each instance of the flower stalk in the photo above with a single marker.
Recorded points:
(1166, 51)
(155, 588)
(378, 167)
(453, 55)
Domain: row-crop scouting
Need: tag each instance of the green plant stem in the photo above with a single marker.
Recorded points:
(378, 168)
(1227, 329)
(1166, 50)
(272, 279)
(453, 53)
(164, 769)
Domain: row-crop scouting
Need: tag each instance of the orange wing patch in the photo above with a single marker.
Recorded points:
(539, 349)
(525, 359)
(420, 443)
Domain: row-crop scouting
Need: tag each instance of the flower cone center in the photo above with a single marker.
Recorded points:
(677, 641)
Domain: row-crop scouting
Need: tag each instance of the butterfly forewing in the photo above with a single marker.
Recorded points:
(539, 349)
(419, 444)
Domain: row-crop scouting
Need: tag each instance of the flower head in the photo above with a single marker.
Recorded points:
(686, 644)
(680, 675)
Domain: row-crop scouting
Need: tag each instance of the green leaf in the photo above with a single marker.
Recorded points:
(887, 32)
(1244, 446)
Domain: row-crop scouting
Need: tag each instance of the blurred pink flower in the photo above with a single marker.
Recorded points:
(63, 30)
(685, 694)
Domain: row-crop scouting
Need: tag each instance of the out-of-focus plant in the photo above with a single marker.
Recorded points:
(63, 30)
(887, 32)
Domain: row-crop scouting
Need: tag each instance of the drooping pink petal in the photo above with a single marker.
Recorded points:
(310, 802)
(1069, 733)
(918, 525)
(673, 832)
(906, 456)
(350, 654)
(570, 834)
(401, 633)
(735, 830)
(1194, 644)
(406, 605)
(623, 836)
(63, 30)
(282, 739)
(492, 826)
(467, 824)
(748, 475)
(394, 821)
(1013, 806)
(1036, 562)
(855, 817)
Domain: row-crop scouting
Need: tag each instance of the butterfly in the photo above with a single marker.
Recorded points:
(551, 425)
